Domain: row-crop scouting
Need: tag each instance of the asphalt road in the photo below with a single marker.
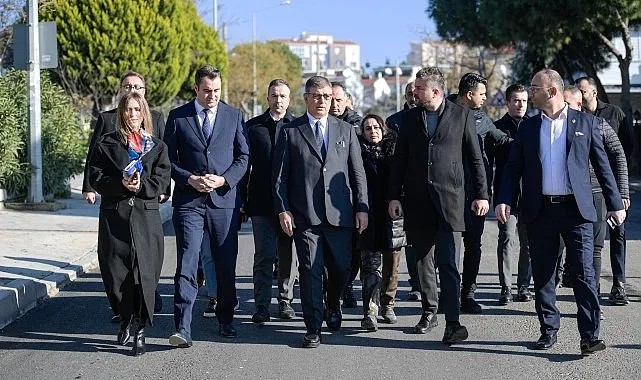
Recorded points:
(70, 337)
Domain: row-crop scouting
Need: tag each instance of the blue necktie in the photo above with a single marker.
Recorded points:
(207, 126)
(320, 141)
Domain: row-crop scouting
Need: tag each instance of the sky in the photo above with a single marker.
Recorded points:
(383, 29)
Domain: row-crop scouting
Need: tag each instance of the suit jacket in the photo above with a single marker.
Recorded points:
(584, 145)
(314, 189)
(262, 132)
(106, 123)
(225, 154)
(425, 167)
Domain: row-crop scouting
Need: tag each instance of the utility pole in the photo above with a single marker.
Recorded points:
(33, 88)
(225, 94)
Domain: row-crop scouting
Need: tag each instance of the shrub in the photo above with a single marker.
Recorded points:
(64, 142)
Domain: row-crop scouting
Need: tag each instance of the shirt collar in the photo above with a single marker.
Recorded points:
(199, 108)
(313, 120)
(562, 115)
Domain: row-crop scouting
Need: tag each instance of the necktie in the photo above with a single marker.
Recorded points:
(320, 140)
(207, 126)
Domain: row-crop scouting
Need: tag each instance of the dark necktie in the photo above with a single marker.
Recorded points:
(320, 141)
(207, 126)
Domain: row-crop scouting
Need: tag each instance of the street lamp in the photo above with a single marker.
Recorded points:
(255, 88)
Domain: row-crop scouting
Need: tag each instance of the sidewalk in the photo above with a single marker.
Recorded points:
(41, 252)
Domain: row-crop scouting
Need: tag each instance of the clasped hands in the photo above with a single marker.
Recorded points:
(206, 183)
(131, 183)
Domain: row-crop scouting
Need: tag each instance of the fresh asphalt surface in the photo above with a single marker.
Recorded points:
(69, 336)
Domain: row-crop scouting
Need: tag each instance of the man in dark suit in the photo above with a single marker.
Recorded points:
(434, 139)
(320, 196)
(551, 157)
(269, 239)
(130, 81)
(209, 156)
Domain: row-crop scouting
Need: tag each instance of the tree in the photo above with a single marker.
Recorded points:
(100, 39)
(273, 60)
(205, 48)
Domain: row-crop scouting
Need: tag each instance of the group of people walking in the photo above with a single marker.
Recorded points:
(348, 193)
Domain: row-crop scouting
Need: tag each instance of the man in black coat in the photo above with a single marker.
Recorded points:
(130, 81)
(516, 97)
(269, 240)
(617, 120)
(394, 120)
(434, 139)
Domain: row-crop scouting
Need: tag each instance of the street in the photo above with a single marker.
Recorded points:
(70, 337)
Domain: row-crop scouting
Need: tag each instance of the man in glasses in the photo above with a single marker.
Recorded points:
(320, 197)
(130, 81)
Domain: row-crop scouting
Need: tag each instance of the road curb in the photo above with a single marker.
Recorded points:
(19, 296)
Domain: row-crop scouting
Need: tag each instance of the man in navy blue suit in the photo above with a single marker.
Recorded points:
(551, 156)
(209, 155)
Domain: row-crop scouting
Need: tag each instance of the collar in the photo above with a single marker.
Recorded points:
(199, 108)
(600, 105)
(286, 118)
(562, 115)
(313, 120)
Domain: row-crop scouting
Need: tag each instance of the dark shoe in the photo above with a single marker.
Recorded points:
(115, 319)
(414, 295)
(210, 311)
(470, 306)
(589, 347)
(566, 280)
(524, 294)
(427, 322)
(454, 333)
(157, 302)
(369, 323)
(312, 339)
(261, 316)
(227, 331)
(139, 347)
(618, 296)
(200, 278)
(124, 335)
(545, 341)
(285, 310)
(334, 320)
(388, 315)
(349, 301)
(180, 340)
(506, 296)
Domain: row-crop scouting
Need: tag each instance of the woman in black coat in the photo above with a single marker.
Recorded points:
(381, 242)
(130, 168)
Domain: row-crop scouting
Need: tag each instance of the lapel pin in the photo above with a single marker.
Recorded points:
(578, 133)
(573, 121)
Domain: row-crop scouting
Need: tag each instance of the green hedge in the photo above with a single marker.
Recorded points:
(64, 142)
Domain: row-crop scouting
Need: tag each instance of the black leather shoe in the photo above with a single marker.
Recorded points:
(589, 347)
(524, 294)
(545, 341)
(139, 347)
(334, 320)
(454, 333)
(312, 339)
(427, 322)
(157, 302)
(261, 316)
(227, 330)
(470, 306)
(124, 335)
(506, 296)
(180, 340)
(285, 310)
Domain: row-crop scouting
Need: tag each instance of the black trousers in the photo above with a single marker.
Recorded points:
(472, 247)
(318, 248)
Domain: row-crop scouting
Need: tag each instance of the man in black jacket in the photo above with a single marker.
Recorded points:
(269, 240)
(410, 102)
(516, 96)
(472, 95)
(434, 139)
(617, 120)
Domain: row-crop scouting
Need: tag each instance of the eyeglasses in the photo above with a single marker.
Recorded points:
(534, 88)
(319, 97)
(130, 87)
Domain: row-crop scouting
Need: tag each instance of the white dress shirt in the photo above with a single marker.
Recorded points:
(211, 114)
(552, 152)
(323, 127)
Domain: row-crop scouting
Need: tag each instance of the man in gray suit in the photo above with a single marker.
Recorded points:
(317, 175)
